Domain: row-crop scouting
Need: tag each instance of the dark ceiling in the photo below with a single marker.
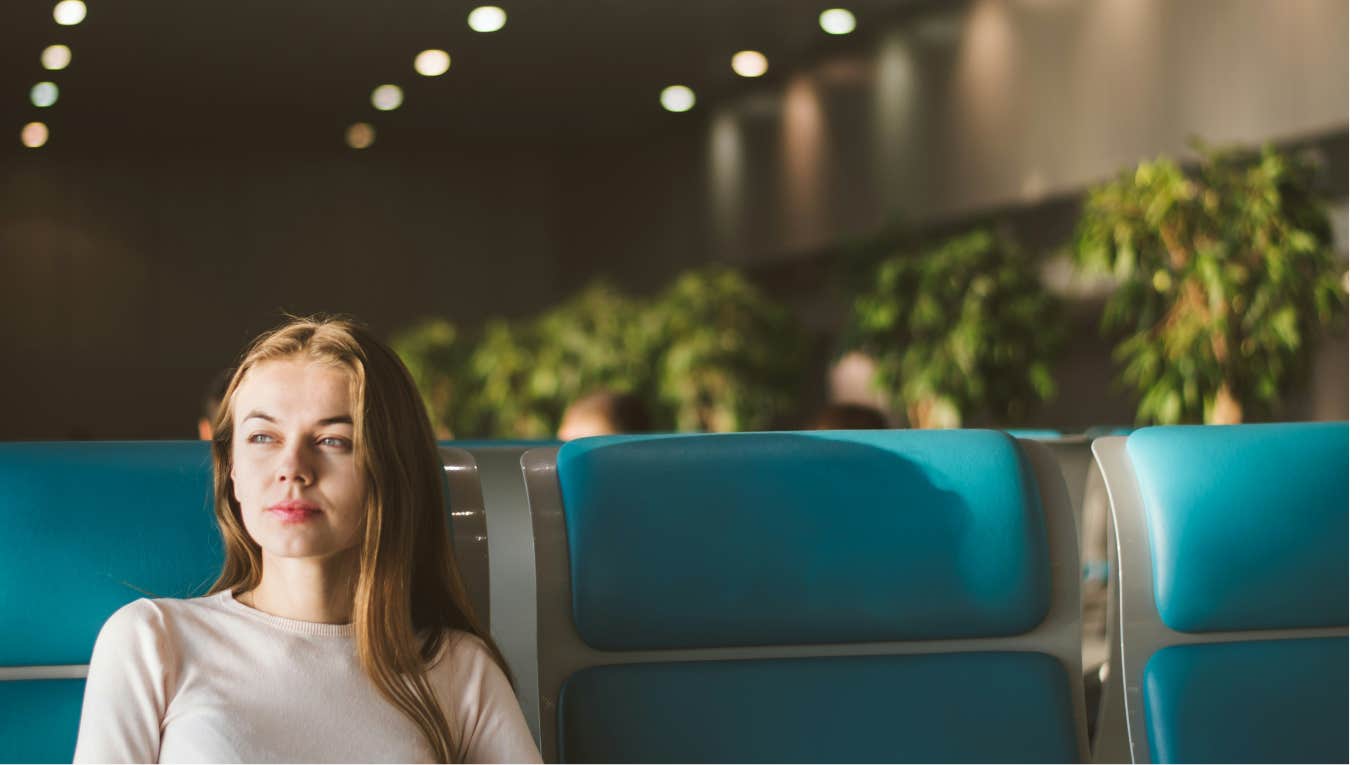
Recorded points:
(290, 73)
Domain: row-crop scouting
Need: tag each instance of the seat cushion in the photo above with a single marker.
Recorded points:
(964, 707)
(39, 719)
(1254, 701)
(1247, 525)
(783, 538)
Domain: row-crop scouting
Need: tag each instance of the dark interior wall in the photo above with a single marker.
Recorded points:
(126, 281)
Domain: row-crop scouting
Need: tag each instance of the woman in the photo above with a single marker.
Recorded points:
(339, 629)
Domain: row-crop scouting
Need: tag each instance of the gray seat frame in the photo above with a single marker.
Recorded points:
(467, 511)
(562, 652)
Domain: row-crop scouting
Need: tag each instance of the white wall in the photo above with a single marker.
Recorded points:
(1004, 102)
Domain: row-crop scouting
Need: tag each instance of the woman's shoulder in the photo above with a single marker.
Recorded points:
(465, 659)
(462, 647)
(152, 617)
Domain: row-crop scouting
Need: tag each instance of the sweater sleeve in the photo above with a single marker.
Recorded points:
(126, 690)
(488, 720)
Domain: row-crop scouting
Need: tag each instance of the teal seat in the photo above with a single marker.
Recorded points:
(1233, 573)
(817, 596)
(90, 527)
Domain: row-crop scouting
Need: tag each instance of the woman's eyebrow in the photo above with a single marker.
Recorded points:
(342, 419)
(261, 415)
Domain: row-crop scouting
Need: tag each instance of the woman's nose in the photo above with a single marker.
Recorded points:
(294, 466)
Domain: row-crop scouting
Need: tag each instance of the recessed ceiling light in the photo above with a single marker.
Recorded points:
(360, 135)
(56, 57)
(487, 18)
(837, 21)
(386, 97)
(677, 98)
(432, 63)
(43, 95)
(68, 13)
(33, 135)
(749, 63)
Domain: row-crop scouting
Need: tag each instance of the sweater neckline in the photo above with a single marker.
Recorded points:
(295, 626)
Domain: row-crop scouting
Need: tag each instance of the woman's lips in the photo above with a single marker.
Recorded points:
(294, 511)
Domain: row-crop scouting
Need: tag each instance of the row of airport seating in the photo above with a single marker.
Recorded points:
(799, 596)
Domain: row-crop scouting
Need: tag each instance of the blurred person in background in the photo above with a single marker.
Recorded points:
(604, 413)
(848, 417)
(212, 399)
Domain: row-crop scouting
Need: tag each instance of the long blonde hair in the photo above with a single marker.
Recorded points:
(408, 592)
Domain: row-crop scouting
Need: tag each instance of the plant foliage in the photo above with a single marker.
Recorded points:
(711, 353)
(1225, 277)
(436, 356)
(960, 328)
(731, 359)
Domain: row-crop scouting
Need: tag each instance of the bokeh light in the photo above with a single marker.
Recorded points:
(432, 63)
(487, 18)
(677, 98)
(386, 97)
(360, 135)
(33, 135)
(56, 57)
(44, 94)
(837, 21)
(68, 13)
(750, 63)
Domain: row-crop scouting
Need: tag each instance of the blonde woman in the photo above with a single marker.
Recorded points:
(339, 630)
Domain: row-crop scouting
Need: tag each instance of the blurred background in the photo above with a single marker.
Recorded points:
(1020, 213)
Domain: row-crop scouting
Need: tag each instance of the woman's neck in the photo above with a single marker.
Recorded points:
(306, 589)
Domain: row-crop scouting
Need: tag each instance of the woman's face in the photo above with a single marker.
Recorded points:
(292, 460)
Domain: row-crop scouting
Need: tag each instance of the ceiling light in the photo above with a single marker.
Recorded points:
(360, 135)
(386, 97)
(749, 63)
(432, 63)
(837, 21)
(56, 57)
(68, 13)
(487, 18)
(677, 98)
(33, 135)
(43, 95)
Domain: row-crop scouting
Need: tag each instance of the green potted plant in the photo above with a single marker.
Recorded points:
(595, 340)
(957, 329)
(528, 372)
(729, 358)
(513, 393)
(436, 354)
(1226, 275)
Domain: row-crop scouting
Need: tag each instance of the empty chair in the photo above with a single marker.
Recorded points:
(819, 596)
(90, 527)
(1232, 586)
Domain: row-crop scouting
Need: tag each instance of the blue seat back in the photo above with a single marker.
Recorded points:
(89, 527)
(1247, 526)
(706, 577)
(1233, 567)
(695, 542)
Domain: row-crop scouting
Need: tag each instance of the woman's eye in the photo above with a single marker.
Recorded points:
(259, 438)
(335, 442)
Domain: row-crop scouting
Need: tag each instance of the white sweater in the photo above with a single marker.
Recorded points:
(213, 680)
